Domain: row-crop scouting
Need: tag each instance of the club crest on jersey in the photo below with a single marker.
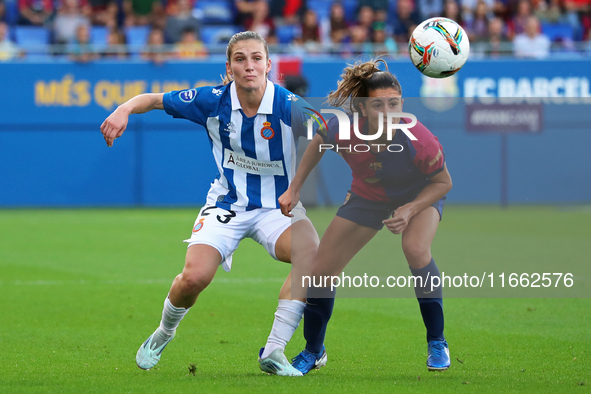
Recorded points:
(267, 132)
(198, 226)
(375, 166)
(187, 95)
(347, 198)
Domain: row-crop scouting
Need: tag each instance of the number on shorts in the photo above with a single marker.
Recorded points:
(226, 219)
(205, 213)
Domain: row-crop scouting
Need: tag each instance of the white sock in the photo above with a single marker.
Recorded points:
(171, 317)
(287, 319)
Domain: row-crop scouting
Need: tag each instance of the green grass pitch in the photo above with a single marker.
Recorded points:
(80, 290)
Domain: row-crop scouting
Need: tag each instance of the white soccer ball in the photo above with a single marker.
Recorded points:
(439, 47)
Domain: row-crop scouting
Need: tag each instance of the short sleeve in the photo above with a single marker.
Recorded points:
(330, 131)
(188, 104)
(429, 157)
(301, 111)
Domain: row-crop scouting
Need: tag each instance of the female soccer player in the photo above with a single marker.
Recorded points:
(249, 124)
(403, 190)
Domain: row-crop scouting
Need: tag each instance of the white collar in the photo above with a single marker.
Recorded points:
(266, 106)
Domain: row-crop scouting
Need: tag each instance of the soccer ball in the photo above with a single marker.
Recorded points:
(439, 47)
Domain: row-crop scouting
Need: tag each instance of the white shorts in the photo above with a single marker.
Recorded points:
(224, 229)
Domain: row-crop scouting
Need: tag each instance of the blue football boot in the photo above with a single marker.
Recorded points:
(438, 359)
(306, 361)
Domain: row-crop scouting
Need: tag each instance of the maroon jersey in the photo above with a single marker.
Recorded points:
(401, 171)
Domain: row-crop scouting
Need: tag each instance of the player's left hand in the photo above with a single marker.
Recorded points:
(399, 221)
(288, 200)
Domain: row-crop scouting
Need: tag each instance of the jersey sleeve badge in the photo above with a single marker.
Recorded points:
(187, 96)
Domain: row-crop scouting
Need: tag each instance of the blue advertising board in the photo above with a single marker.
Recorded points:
(52, 153)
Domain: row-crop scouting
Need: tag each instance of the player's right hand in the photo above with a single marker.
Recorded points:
(114, 126)
(288, 200)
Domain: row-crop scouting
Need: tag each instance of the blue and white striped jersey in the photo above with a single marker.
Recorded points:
(255, 156)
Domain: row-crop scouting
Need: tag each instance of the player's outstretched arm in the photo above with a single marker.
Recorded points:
(311, 157)
(114, 126)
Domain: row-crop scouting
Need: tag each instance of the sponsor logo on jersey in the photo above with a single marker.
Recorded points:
(375, 166)
(198, 226)
(230, 128)
(242, 163)
(436, 158)
(347, 198)
(231, 159)
(187, 95)
(267, 132)
(217, 92)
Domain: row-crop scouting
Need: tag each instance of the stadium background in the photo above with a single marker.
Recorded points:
(81, 288)
(57, 91)
(53, 153)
